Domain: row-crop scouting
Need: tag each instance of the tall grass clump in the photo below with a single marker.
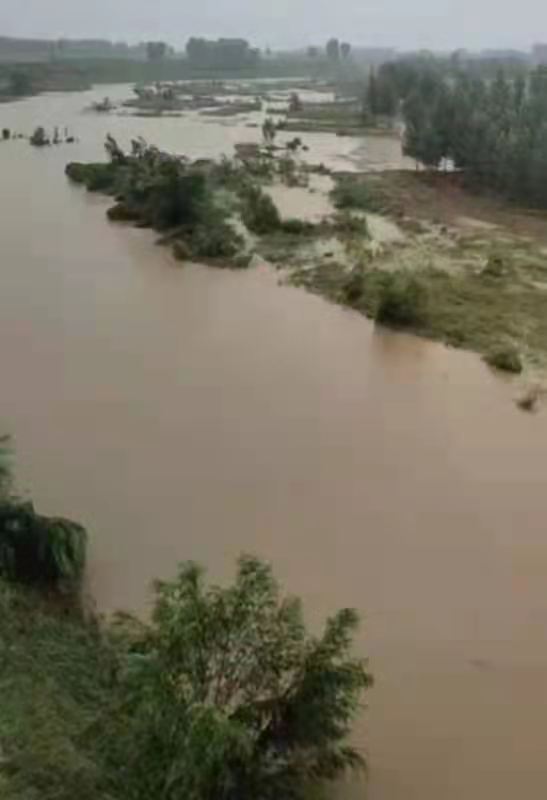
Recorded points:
(402, 301)
(351, 193)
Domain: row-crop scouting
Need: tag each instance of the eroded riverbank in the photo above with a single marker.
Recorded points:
(197, 413)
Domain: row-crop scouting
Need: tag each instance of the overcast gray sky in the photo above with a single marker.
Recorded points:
(435, 24)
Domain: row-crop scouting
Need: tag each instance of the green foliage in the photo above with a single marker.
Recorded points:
(225, 54)
(496, 266)
(269, 130)
(39, 138)
(506, 358)
(39, 550)
(56, 674)
(166, 193)
(297, 227)
(347, 224)
(216, 240)
(95, 177)
(381, 97)
(494, 131)
(259, 212)
(5, 466)
(355, 193)
(352, 290)
(156, 51)
(226, 696)
(403, 301)
(288, 171)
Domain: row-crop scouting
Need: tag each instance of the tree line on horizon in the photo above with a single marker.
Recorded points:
(493, 130)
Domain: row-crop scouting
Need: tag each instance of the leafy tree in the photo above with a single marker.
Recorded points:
(259, 212)
(313, 52)
(295, 103)
(221, 54)
(494, 131)
(269, 130)
(422, 140)
(226, 696)
(35, 549)
(156, 51)
(381, 97)
(345, 50)
(403, 300)
(39, 138)
(40, 550)
(333, 50)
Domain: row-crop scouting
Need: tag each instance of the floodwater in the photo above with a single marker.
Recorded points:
(198, 413)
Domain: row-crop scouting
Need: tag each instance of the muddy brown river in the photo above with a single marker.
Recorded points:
(198, 413)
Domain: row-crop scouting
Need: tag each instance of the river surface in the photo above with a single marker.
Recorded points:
(198, 413)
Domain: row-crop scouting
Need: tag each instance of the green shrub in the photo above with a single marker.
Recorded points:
(121, 212)
(226, 696)
(354, 193)
(348, 224)
(352, 290)
(259, 212)
(218, 239)
(95, 177)
(496, 266)
(403, 301)
(39, 138)
(298, 227)
(39, 550)
(506, 358)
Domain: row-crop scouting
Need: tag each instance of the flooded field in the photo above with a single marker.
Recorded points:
(197, 413)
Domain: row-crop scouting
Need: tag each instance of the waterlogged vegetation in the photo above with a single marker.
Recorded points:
(223, 693)
(196, 206)
(464, 269)
(166, 193)
(413, 250)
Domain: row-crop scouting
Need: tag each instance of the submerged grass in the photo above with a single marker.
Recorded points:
(463, 310)
(479, 283)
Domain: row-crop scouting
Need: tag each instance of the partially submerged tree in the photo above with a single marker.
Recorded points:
(259, 212)
(269, 130)
(39, 138)
(226, 695)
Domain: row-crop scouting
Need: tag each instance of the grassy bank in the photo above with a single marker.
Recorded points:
(56, 679)
(468, 270)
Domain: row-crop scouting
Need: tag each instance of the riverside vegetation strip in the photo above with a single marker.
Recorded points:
(466, 269)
